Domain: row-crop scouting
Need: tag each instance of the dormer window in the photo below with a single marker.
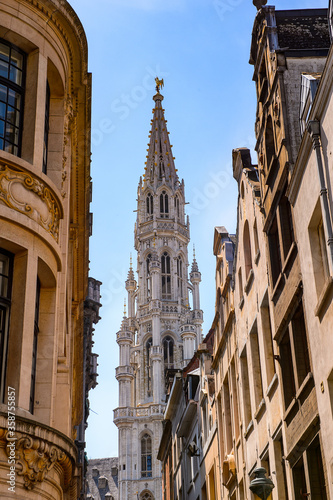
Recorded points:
(12, 62)
(164, 205)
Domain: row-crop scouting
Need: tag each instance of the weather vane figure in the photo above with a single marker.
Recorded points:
(159, 84)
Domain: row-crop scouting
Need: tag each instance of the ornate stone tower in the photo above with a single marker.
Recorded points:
(162, 331)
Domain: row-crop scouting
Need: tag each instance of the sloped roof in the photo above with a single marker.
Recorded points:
(303, 29)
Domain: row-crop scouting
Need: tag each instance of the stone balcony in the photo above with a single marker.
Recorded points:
(129, 413)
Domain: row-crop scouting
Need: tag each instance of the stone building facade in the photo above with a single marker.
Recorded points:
(47, 310)
(274, 299)
(161, 331)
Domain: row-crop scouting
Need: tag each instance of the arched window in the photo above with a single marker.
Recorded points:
(148, 260)
(166, 276)
(247, 249)
(164, 205)
(149, 343)
(180, 275)
(12, 66)
(150, 204)
(146, 496)
(177, 207)
(168, 352)
(146, 456)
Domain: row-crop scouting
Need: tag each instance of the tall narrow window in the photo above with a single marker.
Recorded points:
(180, 275)
(168, 352)
(34, 349)
(286, 224)
(148, 260)
(247, 249)
(149, 343)
(269, 143)
(166, 276)
(177, 207)
(150, 204)
(46, 127)
(146, 456)
(164, 205)
(275, 251)
(12, 69)
(6, 276)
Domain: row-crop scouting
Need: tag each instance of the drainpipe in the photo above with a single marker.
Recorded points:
(313, 127)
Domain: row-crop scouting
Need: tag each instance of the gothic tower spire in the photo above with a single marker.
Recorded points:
(161, 332)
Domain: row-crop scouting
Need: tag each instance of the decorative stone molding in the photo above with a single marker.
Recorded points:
(39, 449)
(30, 196)
(36, 458)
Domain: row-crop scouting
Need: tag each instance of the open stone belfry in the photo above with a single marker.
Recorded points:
(162, 331)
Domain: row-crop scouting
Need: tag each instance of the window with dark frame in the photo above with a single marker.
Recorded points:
(46, 127)
(6, 278)
(148, 261)
(180, 275)
(166, 276)
(164, 205)
(150, 204)
(146, 456)
(294, 355)
(34, 349)
(12, 80)
(168, 348)
(149, 343)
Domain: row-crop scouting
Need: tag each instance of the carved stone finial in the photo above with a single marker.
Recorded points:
(259, 3)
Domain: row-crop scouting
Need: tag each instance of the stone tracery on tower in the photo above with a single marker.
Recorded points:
(161, 332)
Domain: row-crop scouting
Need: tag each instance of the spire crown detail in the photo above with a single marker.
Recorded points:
(160, 167)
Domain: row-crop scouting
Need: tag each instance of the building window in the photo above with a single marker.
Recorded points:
(308, 473)
(6, 277)
(149, 343)
(148, 261)
(247, 249)
(166, 276)
(164, 205)
(46, 127)
(294, 356)
(177, 207)
(168, 348)
(269, 143)
(245, 388)
(12, 76)
(275, 251)
(150, 204)
(256, 365)
(180, 275)
(34, 349)
(146, 456)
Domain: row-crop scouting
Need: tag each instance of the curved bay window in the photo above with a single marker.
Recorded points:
(12, 76)
(6, 276)
(164, 205)
(149, 343)
(148, 260)
(180, 275)
(168, 348)
(149, 204)
(146, 456)
(166, 276)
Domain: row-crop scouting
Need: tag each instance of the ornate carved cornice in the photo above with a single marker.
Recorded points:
(29, 195)
(39, 449)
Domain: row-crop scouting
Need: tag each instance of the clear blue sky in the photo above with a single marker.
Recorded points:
(201, 50)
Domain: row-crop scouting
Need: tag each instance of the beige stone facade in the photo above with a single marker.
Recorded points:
(45, 226)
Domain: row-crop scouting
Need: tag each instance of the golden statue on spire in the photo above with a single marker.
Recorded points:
(159, 84)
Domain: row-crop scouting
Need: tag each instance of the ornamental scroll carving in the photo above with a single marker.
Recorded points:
(35, 458)
(30, 196)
